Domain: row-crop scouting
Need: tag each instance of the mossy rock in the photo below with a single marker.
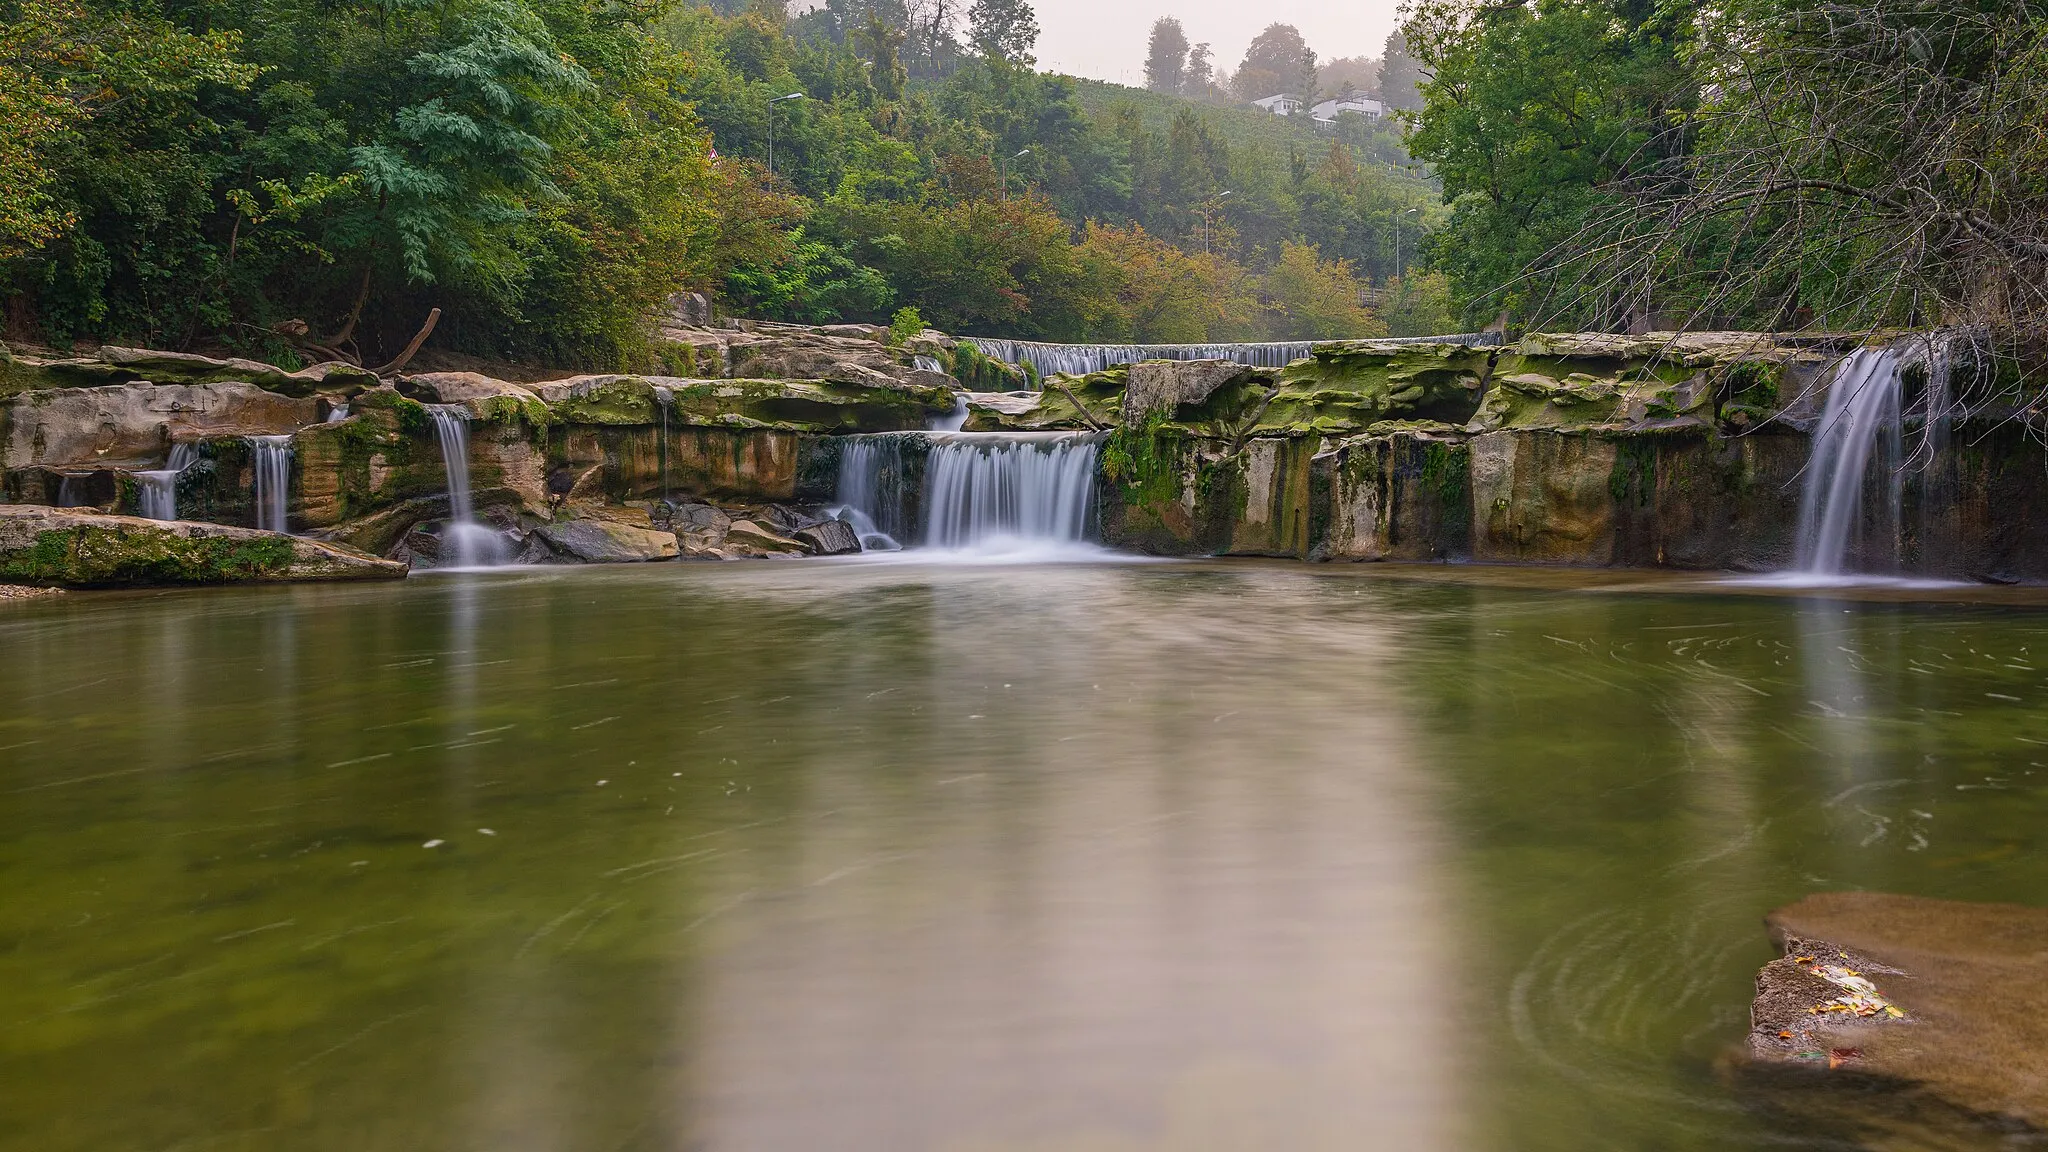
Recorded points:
(47, 546)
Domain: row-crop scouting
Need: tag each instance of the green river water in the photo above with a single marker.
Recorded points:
(820, 855)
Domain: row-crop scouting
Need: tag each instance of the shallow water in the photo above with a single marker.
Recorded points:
(812, 855)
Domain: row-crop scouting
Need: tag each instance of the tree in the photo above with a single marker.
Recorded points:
(1005, 30)
(880, 41)
(1167, 59)
(1199, 80)
(1400, 74)
(1349, 75)
(1279, 60)
(1317, 299)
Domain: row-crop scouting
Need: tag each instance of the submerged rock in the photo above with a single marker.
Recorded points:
(1940, 1005)
(596, 541)
(50, 546)
(751, 538)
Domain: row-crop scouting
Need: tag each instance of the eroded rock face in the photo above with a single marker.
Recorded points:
(752, 538)
(70, 549)
(1167, 385)
(134, 424)
(829, 538)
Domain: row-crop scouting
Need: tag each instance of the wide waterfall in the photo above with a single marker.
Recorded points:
(983, 493)
(157, 490)
(1080, 359)
(273, 470)
(995, 490)
(471, 544)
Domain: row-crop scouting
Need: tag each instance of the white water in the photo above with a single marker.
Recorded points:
(987, 496)
(871, 490)
(157, 494)
(927, 364)
(470, 544)
(1009, 493)
(338, 413)
(1850, 519)
(1080, 359)
(273, 469)
(956, 419)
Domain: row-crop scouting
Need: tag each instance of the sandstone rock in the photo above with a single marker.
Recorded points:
(1957, 1015)
(829, 538)
(52, 546)
(134, 424)
(470, 389)
(1165, 385)
(748, 537)
(609, 542)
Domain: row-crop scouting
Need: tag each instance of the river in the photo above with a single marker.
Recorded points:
(825, 855)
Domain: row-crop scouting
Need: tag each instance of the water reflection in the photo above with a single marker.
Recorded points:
(816, 855)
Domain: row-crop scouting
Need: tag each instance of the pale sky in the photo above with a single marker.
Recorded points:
(1105, 39)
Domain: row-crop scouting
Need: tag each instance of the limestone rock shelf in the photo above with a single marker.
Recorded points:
(72, 549)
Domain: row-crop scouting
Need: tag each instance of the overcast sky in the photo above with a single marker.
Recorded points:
(1105, 39)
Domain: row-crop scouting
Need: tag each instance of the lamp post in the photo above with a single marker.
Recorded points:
(771, 126)
(1003, 170)
(1207, 226)
(1399, 267)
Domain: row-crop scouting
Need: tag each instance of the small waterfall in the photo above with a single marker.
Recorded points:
(956, 419)
(338, 413)
(666, 399)
(474, 546)
(72, 492)
(1080, 359)
(927, 363)
(273, 480)
(996, 491)
(870, 493)
(157, 494)
(1859, 429)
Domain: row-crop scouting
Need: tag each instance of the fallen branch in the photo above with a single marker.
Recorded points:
(1078, 406)
(419, 338)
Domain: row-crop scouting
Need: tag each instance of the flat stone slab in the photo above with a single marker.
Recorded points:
(65, 548)
(595, 541)
(1943, 1001)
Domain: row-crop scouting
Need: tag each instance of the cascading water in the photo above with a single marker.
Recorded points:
(956, 419)
(871, 488)
(338, 413)
(999, 491)
(997, 494)
(1080, 359)
(273, 470)
(1859, 428)
(927, 363)
(157, 490)
(471, 544)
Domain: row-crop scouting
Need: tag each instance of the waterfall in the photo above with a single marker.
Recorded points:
(983, 493)
(925, 363)
(871, 470)
(338, 413)
(474, 545)
(956, 419)
(666, 399)
(71, 491)
(273, 480)
(1080, 359)
(1859, 427)
(996, 491)
(157, 493)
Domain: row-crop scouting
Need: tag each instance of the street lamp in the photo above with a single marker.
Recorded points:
(771, 126)
(1207, 226)
(1003, 168)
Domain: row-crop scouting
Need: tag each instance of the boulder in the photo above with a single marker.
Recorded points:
(51, 546)
(609, 542)
(829, 538)
(187, 368)
(1164, 385)
(471, 389)
(750, 538)
(1937, 1001)
(700, 529)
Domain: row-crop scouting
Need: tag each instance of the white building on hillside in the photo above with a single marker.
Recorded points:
(1281, 105)
(1328, 111)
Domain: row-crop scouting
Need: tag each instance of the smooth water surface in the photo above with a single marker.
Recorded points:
(814, 855)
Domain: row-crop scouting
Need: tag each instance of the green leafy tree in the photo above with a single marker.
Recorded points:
(1166, 56)
(1277, 61)
(1005, 30)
